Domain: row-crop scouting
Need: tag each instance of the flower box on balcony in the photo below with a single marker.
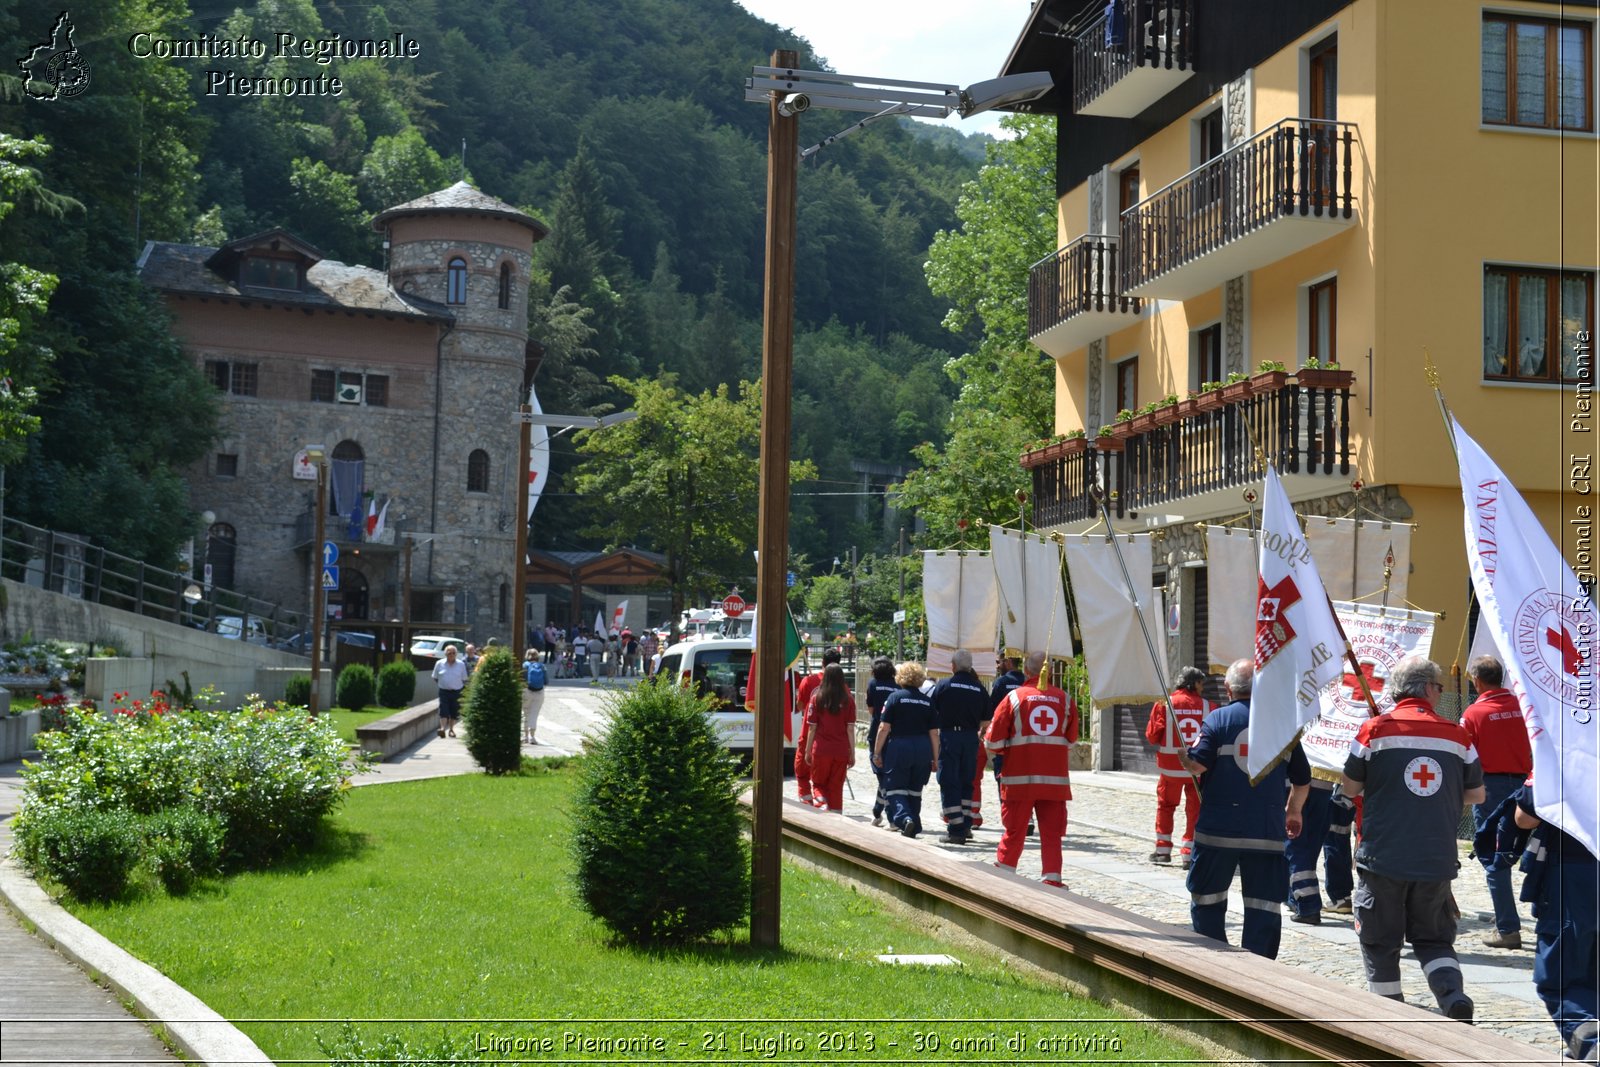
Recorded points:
(1322, 378)
(1038, 457)
(1143, 423)
(1234, 392)
(1268, 381)
(1073, 445)
(1186, 409)
(1110, 443)
(1209, 401)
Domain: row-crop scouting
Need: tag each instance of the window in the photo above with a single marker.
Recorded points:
(505, 286)
(456, 282)
(349, 387)
(478, 471)
(1323, 80)
(230, 377)
(1322, 321)
(1208, 146)
(1127, 188)
(1537, 73)
(1208, 355)
(1128, 384)
(503, 613)
(271, 273)
(227, 465)
(1531, 322)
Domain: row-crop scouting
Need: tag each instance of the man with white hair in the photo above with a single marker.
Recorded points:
(1417, 771)
(1242, 827)
(962, 706)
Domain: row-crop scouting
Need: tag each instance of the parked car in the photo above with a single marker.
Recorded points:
(428, 649)
(301, 642)
(720, 667)
(243, 628)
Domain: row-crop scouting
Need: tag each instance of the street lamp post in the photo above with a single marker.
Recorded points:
(788, 92)
(318, 455)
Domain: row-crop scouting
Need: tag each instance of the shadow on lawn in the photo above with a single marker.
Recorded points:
(332, 846)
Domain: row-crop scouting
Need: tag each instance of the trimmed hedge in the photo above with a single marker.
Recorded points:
(297, 690)
(659, 793)
(492, 713)
(397, 684)
(355, 688)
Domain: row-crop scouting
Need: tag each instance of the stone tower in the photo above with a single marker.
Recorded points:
(470, 254)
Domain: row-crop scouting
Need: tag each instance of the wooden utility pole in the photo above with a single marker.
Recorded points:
(405, 595)
(777, 371)
(519, 583)
(316, 583)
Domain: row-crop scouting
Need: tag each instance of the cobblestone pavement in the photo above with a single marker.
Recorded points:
(1110, 834)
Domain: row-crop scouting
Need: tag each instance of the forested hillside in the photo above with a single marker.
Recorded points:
(622, 125)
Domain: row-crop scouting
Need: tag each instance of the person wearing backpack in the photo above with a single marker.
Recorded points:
(533, 673)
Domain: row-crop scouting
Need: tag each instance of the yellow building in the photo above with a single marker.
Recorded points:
(1362, 181)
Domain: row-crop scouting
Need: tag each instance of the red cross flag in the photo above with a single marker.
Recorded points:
(1298, 643)
(1544, 622)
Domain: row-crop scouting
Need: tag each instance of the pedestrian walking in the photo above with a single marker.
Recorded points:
(1033, 730)
(451, 675)
(1495, 727)
(961, 704)
(534, 678)
(831, 742)
(1174, 726)
(907, 748)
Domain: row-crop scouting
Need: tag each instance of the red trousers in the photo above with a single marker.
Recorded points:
(1170, 790)
(827, 779)
(1021, 805)
(802, 771)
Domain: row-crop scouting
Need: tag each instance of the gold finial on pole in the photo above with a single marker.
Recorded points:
(1429, 368)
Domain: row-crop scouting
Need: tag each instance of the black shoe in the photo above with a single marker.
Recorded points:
(1460, 1010)
(1031, 831)
(908, 828)
(953, 839)
(1310, 918)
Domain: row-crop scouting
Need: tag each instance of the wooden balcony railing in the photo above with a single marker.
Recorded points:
(1301, 430)
(1070, 281)
(1299, 167)
(1131, 33)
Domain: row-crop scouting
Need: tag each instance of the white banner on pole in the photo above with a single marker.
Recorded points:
(1033, 602)
(1350, 556)
(962, 603)
(1232, 567)
(1115, 649)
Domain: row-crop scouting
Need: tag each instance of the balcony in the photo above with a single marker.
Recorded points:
(1194, 468)
(1284, 190)
(1131, 56)
(1072, 297)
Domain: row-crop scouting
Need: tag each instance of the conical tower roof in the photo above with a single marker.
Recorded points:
(461, 199)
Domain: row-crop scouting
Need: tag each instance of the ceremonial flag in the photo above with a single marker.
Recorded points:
(1232, 559)
(1033, 601)
(375, 519)
(1544, 622)
(792, 647)
(1298, 646)
(619, 615)
(600, 622)
(1117, 647)
(961, 604)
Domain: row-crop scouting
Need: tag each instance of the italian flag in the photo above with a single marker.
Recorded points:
(791, 653)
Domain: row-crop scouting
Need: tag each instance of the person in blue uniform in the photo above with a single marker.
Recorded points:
(962, 706)
(1562, 882)
(907, 748)
(878, 690)
(1242, 827)
(1324, 804)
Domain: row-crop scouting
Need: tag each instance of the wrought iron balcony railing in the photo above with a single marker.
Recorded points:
(1078, 282)
(1301, 430)
(1299, 169)
(1132, 37)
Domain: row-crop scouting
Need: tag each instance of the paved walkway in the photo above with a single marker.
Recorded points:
(1108, 838)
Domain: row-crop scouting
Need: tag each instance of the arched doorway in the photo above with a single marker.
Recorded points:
(352, 594)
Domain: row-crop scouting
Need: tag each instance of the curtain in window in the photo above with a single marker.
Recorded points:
(1574, 318)
(1572, 78)
(1494, 72)
(346, 484)
(1496, 303)
(1532, 330)
(1530, 75)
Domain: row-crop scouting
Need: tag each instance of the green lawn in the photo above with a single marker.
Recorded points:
(450, 899)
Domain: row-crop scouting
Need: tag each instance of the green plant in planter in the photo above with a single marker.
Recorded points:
(1150, 408)
(1313, 364)
(1267, 366)
(1073, 435)
(1104, 431)
(1233, 378)
(1194, 395)
(1168, 401)
(1125, 415)
(1210, 387)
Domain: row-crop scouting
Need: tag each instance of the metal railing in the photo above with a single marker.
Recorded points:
(1081, 277)
(76, 567)
(1131, 33)
(1300, 429)
(1299, 167)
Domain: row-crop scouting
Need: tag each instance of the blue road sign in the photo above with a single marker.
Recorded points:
(330, 577)
(788, 579)
(330, 553)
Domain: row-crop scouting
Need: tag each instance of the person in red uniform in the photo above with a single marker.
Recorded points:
(831, 739)
(1173, 732)
(802, 745)
(1034, 729)
(1494, 723)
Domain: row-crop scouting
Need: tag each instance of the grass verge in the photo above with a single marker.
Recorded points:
(346, 721)
(448, 903)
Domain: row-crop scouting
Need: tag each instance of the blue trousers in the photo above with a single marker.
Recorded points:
(1264, 881)
(878, 802)
(958, 766)
(907, 765)
(1326, 830)
(1497, 868)
(1566, 962)
(1339, 875)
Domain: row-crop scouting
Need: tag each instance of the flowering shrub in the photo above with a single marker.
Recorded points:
(61, 662)
(267, 775)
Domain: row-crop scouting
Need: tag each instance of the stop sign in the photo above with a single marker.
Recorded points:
(733, 605)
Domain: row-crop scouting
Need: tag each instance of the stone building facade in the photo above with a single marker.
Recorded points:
(410, 378)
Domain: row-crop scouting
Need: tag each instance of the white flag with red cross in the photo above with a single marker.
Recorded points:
(1543, 620)
(1298, 646)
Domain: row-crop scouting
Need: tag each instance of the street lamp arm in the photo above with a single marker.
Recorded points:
(897, 109)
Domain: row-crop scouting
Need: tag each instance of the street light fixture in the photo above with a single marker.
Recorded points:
(528, 418)
(788, 92)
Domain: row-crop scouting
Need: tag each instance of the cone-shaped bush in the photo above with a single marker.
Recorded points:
(492, 713)
(355, 688)
(397, 684)
(658, 837)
